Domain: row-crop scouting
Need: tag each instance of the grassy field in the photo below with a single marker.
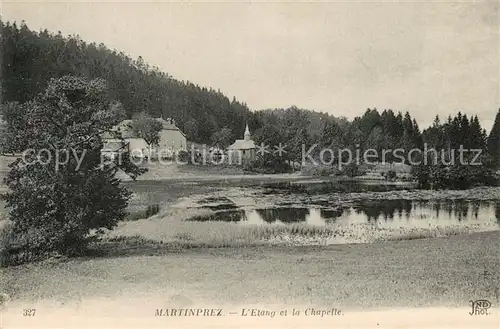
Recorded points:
(429, 272)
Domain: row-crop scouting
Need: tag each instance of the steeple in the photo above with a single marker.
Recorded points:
(247, 133)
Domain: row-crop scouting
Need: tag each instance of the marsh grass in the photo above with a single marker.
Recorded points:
(435, 232)
(142, 205)
(149, 211)
(326, 187)
(214, 234)
(176, 230)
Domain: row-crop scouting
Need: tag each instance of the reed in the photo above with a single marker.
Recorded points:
(176, 229)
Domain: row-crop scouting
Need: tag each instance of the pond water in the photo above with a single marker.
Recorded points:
(385, 213)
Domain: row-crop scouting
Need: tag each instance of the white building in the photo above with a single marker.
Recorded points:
(243, 149)
(171, 140)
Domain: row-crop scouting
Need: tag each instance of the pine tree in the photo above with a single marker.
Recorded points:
(477, 140)
(494, 140)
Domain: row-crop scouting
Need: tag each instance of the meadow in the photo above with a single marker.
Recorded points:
(435, 272)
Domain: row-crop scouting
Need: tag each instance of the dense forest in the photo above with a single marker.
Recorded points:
(30, 59)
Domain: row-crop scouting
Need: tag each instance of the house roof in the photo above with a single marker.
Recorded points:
(241, 144)
(113, 145)
(125, 127)
(113, 134)
(166, 125)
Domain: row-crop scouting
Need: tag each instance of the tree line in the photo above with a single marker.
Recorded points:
(30, 59)
(61, 94)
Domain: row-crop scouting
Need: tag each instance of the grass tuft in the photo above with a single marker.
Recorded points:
(150, 211)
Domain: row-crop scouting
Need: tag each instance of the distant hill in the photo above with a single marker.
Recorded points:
(30, 59)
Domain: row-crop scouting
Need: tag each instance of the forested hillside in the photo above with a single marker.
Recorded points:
(30, 59)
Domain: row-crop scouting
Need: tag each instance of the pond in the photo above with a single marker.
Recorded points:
(380, 213)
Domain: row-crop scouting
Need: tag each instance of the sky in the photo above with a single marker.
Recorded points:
(338, 57)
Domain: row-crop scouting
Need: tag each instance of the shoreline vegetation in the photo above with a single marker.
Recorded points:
(146, 234)
(169, 223)
(173, 226)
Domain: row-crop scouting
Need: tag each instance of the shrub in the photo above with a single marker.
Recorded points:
(59, 208)
(13, 250)
(183, 156)
(192, 157)
(267, 164)
(152, 210)
(318, 170)
(351, 170)
(454, 177)
(391, 175)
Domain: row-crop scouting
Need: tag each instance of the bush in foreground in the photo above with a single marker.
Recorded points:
(63, 195)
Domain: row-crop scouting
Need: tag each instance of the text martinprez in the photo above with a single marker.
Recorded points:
(322, 312)
(188, 312)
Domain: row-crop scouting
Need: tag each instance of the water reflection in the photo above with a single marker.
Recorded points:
(386, 213)
(386, 209)
(284, 215)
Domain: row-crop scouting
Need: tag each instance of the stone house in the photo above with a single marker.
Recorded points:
(171, 140)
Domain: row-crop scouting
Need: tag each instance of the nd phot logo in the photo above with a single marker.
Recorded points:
(480, 307)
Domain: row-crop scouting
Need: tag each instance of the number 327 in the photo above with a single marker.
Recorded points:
(29, 312)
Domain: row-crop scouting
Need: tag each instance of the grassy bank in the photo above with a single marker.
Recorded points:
(431, 272)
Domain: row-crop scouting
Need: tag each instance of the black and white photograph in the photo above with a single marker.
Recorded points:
(249, 164)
